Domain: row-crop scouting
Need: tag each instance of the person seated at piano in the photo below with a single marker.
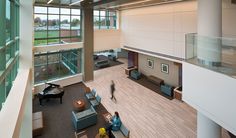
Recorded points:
(114, 124)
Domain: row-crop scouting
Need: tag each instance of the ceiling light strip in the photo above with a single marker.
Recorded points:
(133, 3)
(76, 2)
(49, 1)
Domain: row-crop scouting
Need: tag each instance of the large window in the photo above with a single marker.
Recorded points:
(56, 25)
(54, 65)
(9, 46)
(104, 19)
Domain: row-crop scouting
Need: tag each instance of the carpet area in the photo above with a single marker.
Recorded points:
(111, 62)
(57, 117)
(144, 82)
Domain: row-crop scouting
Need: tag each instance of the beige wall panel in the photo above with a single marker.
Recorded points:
(171, 78)
(106, 39)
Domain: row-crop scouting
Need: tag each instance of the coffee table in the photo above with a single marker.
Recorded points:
(107, 117)
(79, 105)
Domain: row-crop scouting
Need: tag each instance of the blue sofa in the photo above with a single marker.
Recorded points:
(102, 63)
(84, 119)
(135, 74)
(167, 89)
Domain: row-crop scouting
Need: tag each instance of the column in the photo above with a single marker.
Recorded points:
(206, 128)
(87, 37)
(209, 29)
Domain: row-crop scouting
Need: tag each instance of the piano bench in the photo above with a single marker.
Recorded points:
(37, 123)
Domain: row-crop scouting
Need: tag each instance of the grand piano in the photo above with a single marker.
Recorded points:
(51, 91)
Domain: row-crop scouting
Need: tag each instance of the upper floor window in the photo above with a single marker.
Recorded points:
(56, 25)
(104, 19)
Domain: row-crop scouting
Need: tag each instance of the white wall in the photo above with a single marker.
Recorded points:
(159, 28)
(211, 93)
(162, 28)
(106, 39)
(171, 78)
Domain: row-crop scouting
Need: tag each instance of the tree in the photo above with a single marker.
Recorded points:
(75, 22)
(37, 20)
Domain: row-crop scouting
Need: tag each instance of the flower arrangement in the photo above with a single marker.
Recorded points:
(102, 132)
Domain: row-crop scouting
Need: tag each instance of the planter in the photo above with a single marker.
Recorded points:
(178, 93)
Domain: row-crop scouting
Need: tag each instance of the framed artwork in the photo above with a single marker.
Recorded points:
(150, 63)
(164, 68)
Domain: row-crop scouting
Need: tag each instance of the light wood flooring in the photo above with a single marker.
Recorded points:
(146, 113)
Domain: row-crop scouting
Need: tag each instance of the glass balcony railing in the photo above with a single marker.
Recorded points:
(214, 53)
(57, 64)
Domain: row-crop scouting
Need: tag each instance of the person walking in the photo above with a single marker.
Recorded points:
(112, 90)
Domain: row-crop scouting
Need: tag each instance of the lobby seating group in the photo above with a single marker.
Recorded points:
(84, 118)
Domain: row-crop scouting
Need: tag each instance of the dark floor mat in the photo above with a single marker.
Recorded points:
(57, 117)
(144, 82)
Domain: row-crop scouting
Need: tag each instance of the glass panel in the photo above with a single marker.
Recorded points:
(76, 39)
(53, 41)
(53, 22)
(103, 23)
(96, 13)
(112, 13)
(56, 65)
(75, 22)
(8, 22)
(40, 68)
(40, 9)
(102, 13)
(8, 83)
(40, 42)
(65, 40)
(65, 25)
(96, 22)
(54, 33)
(65, 11)
(40, 26)
(111, 22)
(53, 10)
(75, 11)
(49, 28)
(8, 53)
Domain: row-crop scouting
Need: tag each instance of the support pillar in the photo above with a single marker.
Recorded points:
(87, 34)
(206, 128)
(209, 29)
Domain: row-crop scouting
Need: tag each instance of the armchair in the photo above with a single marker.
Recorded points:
(135, 74)
(84, 119)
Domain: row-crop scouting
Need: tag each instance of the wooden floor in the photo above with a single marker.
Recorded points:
(146, 113)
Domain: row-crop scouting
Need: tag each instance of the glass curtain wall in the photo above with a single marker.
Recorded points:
(9, 46)
(104, 19)
(54, 65)
(53, 25)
